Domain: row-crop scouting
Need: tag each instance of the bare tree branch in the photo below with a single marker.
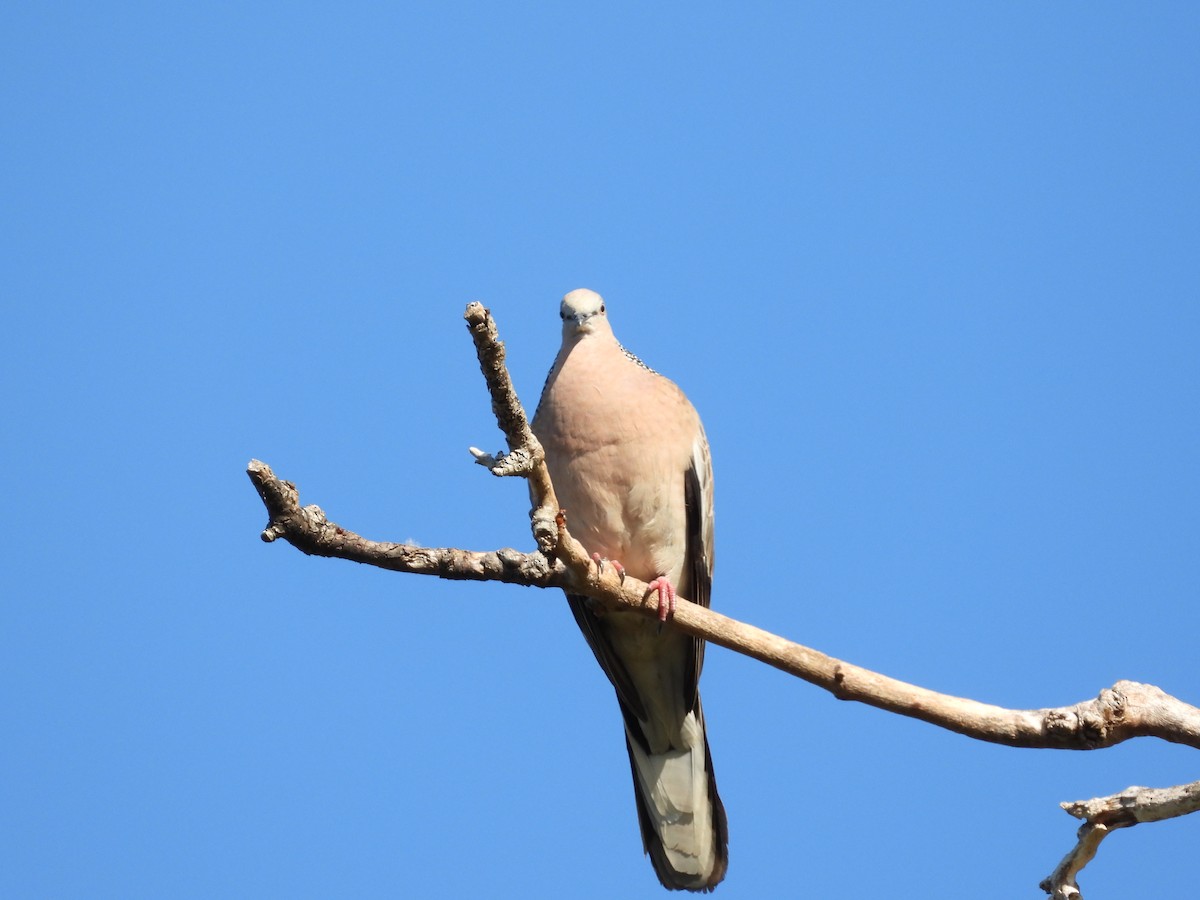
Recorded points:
(308, 530)
(525, 456)
(1127, 709)
(1104, 815)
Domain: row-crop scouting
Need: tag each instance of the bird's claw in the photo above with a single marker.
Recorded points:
(666, 597)
(600, 561)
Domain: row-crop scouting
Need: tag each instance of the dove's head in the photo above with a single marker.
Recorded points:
(583, 313)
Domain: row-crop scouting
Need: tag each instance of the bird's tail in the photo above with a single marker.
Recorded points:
(683, 821)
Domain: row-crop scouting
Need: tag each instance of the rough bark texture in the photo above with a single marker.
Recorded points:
(1103, 815)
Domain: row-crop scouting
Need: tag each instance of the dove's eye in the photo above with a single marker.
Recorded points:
(601, 307)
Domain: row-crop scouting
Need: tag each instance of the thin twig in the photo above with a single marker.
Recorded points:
(1104, 815)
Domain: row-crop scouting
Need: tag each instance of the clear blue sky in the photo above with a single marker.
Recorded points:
(930, 272)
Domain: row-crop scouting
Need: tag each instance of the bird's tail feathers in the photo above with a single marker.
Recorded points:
(682, 818)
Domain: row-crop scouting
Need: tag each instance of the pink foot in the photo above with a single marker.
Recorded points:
(666, 597)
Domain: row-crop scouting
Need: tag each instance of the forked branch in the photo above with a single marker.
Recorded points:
(1103, 815)
(1125, 710)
